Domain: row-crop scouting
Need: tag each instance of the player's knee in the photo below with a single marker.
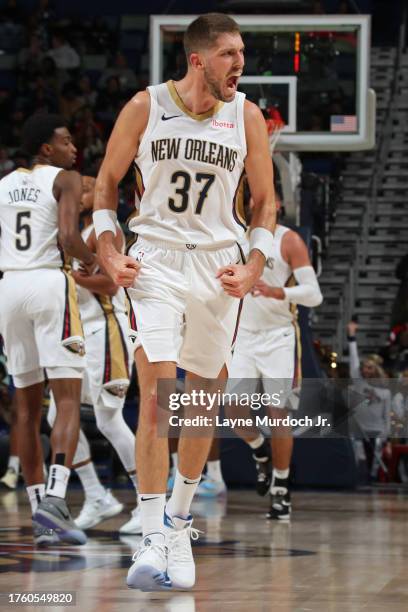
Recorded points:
(106, 419)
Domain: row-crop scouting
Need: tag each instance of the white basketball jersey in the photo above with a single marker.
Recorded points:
(189, 172)
(261, 313)
(93, 307)
(29, 220)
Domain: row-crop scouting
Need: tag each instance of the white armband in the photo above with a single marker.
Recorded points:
(262, 240)
(307, 291)
(105, 220)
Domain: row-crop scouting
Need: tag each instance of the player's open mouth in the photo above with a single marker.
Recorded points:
(232, 82)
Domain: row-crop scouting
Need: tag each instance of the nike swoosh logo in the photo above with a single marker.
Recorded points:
(164, 118)
(186, 482)
(147, 498)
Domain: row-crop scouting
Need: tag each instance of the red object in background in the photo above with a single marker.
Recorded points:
(274, 120)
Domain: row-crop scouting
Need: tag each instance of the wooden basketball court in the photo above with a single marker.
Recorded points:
(345, 552)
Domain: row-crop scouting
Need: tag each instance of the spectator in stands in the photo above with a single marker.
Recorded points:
(109, 102)
(30, 57)
(94, 146)
(42, 99)
(65, 56)
(400, 408)
(53, 78)
(70, 100)
(372, 414)
(6, 164)
(120, 70)
(87, 94)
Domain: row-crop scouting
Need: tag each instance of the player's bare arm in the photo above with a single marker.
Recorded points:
(238, 280)
(99, 282)
(307, 291)
(67, 191)
(120, 152)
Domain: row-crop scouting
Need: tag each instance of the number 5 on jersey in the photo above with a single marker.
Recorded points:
(23, 231)
(183, 179)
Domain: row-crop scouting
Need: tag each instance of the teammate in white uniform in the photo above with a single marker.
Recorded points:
(39, 317)
(192, 140)
(106, 378)
(268, 350)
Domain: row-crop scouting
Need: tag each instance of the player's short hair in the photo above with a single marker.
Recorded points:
(204, 31)
(39, 129)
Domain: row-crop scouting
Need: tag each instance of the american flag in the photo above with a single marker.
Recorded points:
(343, 123)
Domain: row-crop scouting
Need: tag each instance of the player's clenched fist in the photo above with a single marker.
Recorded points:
(122, 269)
(238, 279)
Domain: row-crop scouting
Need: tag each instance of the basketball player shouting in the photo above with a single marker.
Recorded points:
(191, 141)
(39, 317)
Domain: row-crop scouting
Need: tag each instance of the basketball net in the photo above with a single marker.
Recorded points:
(275, 125)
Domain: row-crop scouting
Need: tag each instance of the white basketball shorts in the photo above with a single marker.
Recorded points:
(271, 356)
(179, 310)
(107, 362)
(39, 320)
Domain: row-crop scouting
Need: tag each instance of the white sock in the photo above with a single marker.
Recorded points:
(14, 463)
(182, 495)
(58, 480)
(133, 478)
(151, 512)
(281, 473)
(257, 442)
(91, 484)
(214, 470)
(174, 461)
(35, 494)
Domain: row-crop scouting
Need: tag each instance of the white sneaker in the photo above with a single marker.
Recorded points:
(95, 511)
(10, 479)
(180, 565)
(211, 488)
(149, 569)
(134, 525)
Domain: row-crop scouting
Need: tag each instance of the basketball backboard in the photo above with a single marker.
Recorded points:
(313, 68)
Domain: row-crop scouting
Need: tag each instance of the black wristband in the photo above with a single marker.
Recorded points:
(351, 338)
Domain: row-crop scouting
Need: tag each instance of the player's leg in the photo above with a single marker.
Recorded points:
(60, 343)
(244, 381)
(149, 570)
(193, 449)
(53, 511)
(110, 422)
(29, 398)
(99, 503)
(282, 448)
(212, 483)
(23, 362)
(106, 389)
(282, 352)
